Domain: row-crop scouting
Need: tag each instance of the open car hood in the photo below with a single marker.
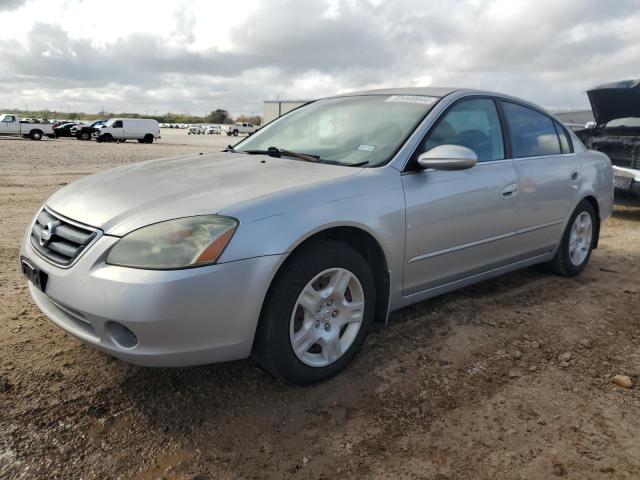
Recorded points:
(615, 100)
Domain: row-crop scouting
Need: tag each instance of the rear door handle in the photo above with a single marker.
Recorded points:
(574, 175)
(509, 190)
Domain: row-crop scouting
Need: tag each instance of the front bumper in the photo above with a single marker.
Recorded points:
(180, 317)
(626, 180)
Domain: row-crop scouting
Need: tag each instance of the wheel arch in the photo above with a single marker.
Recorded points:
(35, 131)
(364, 243)
(596, 208)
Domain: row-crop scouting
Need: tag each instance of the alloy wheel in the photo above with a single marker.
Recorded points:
(327, 317)
(580, 238)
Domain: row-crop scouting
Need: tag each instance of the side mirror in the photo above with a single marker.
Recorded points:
(448, 157)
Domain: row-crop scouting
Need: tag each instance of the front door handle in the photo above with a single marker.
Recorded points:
(509, 190)
(574, 175)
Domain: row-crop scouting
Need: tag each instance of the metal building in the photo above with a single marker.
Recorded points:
(276, 108)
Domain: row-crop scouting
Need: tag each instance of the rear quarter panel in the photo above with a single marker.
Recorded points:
(597, 173)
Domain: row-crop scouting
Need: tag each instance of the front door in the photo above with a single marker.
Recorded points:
(459, 223)
(9, 125)
(117, 129)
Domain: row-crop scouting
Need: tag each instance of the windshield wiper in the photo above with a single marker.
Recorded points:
(230, 149)
(279, 152)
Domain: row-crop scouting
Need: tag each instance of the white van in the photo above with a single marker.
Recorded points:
(145, 130)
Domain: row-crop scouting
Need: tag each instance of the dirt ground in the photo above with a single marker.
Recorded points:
(508, 379)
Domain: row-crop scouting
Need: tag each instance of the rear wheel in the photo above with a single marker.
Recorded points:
(148, 138)
(85, 136)
(35, 135)
(577, 242)
(318, 313)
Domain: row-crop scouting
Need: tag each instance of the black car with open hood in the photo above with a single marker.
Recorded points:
(616, 109)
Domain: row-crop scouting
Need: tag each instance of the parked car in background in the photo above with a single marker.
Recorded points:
(196, 130)
(84, 132)
(64, 129)
(213, 129)
(616, 131)
(10, 124)
(239, 128)
(363, 204)
(145, 130)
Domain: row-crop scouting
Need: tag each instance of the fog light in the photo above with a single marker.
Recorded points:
(121, 335)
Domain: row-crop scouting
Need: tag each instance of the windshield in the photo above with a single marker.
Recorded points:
(360, 130)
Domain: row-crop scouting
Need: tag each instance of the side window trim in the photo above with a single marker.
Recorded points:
(561, 130)
(506, 132)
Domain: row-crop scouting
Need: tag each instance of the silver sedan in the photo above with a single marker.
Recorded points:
(288, 246)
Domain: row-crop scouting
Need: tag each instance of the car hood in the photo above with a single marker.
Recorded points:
(126, 198)
(615, 100)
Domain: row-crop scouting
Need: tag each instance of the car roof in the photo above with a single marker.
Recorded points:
(423, 91)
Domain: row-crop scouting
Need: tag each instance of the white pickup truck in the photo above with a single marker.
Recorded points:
(10, 125)
(240, 127)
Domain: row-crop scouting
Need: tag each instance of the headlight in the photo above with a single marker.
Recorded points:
(180, 243)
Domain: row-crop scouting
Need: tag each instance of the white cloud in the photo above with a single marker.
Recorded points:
(200, 55)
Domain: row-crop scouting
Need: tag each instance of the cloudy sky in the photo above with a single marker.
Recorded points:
(197, 55)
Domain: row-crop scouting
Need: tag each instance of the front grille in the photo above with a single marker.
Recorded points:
(59, 240)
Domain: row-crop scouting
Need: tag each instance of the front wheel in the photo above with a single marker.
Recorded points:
(577, 242)
(317, 315)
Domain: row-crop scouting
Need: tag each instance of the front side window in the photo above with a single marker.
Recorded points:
(362, 130)
(117, 124)
(473, 124)
(532, 133)
(9, 119)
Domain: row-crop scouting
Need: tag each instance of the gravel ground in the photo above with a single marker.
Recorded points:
(508, 379)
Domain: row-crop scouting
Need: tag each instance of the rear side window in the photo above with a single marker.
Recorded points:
(565, 143)
(473, 124)
(532, 133)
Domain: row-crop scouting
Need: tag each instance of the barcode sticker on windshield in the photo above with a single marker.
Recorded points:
(412, 99)
(367, 148)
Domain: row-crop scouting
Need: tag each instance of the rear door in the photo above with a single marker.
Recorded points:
(549, 176)
(460, 223)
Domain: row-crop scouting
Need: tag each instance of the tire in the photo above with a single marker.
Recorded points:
(35, 135)
(140, 140)
(105, 138)
(578, 240)
(148, 138)
(85, 136)
(283, 318)
(235, 133)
